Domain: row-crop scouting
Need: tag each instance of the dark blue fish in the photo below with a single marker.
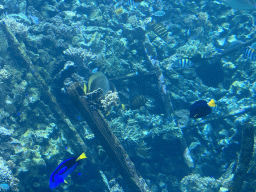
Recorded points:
(63, 170)
(250, 53)
(201, 109)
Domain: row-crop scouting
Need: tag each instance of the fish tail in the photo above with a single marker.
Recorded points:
(212, 103)
(82, 156)
(123, 107)
(85, 88)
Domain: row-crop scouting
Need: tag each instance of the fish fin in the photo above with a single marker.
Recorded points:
(85, 88)
(82, 156)
(63, 170)
(65, 181)
(123, 107)
(253, 46)
(108, 113)
(212, 103)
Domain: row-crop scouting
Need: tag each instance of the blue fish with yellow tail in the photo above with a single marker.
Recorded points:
(201, 109)
(63, 170)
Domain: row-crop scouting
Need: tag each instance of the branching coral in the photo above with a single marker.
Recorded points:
(195, 183)
(15, 26)
(194, 47)
(80, 53)
(110, 100)
(7, 145)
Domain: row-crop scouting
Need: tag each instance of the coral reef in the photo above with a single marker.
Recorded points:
(15, 26)
(79, 54)
(110, 100)
(6, 176)
(112, 185)
(196, 183)
(67, 41)
(8, 148)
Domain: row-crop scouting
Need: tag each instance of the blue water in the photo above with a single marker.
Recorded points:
(48, 46)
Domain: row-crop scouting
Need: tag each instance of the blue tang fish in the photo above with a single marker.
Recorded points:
(201, 109)
(63, 170)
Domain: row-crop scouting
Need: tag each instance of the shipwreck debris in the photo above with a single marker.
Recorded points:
(103, 133)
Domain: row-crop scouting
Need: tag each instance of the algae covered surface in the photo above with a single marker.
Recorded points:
(152, 60)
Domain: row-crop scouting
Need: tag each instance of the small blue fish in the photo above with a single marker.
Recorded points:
(236, 43)
(183, 63)
(95, 70)
(250, 53)
(63, 170)
(4, 186)
(35, 19)
(240, 4)
(159, 13)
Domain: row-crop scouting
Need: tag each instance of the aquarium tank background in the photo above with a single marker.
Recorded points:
(127, 95)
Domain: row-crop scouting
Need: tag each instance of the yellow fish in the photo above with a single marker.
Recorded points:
(212, 103)
(123, 107)
(119, 11)
(85, 88)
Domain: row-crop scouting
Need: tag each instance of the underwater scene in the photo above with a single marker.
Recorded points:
(127, 95)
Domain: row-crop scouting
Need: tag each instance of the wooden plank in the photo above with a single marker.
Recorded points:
(20, 55)
(109, 142)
